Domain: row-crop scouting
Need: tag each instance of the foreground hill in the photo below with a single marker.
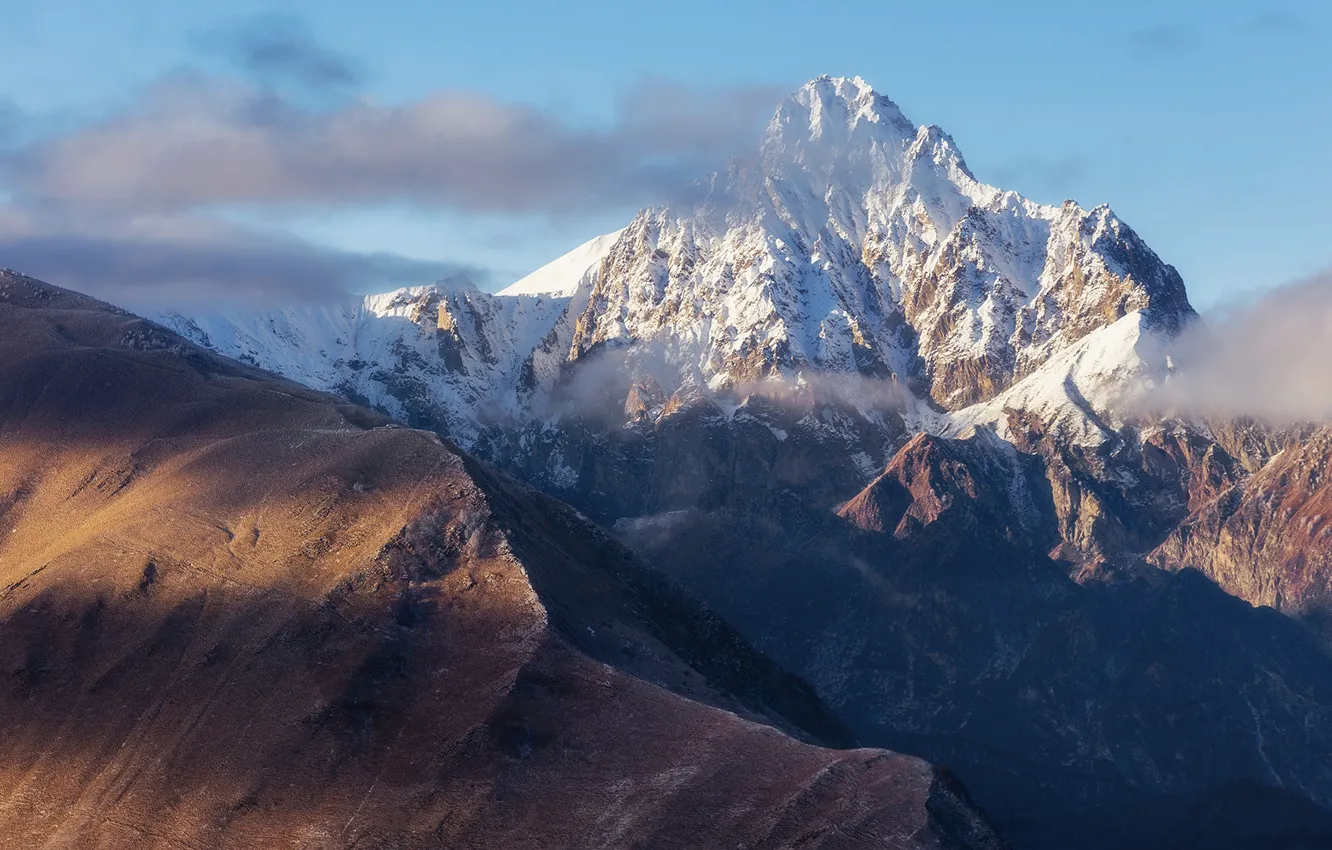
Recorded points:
(237, 613)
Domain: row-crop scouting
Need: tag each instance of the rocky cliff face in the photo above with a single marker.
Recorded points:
(981, 485)
(1267, 537)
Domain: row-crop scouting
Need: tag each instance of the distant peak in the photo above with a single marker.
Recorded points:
(843, 85)
(834, 107)
(847, 88)
(458, 280)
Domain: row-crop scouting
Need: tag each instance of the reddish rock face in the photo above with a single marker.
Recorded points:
(1249, 507)
(1267, 538)
(237, 613)
(932, 477)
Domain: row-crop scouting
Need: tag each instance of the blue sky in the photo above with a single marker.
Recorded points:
(1206, 126)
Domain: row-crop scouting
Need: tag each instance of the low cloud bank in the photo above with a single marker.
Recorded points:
(1269, 359)
(597, 386)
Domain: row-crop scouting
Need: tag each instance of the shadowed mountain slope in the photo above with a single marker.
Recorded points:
(1098, 714)
(238, 613)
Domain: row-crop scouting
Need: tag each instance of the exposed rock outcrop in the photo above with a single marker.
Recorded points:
(1268, 537)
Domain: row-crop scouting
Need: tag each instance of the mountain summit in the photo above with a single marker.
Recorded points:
(851, 243)
(861, 244)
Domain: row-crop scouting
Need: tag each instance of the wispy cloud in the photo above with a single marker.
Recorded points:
(1161, 41)
(1276, 22)
(183, 260)
(1047, 175)
(130, 206)
(194, 142)
(277, 49)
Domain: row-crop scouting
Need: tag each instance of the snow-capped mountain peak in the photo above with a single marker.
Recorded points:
(853, 242)
(835, 111)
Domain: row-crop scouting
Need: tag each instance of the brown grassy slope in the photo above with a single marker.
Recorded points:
(237, 613)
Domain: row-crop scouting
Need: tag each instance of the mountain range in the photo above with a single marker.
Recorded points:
(814, 305)
(853, 269)
(858, 450)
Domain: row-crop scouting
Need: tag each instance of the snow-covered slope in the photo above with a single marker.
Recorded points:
(1084, 392)
(560, 277)
(446, 356)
